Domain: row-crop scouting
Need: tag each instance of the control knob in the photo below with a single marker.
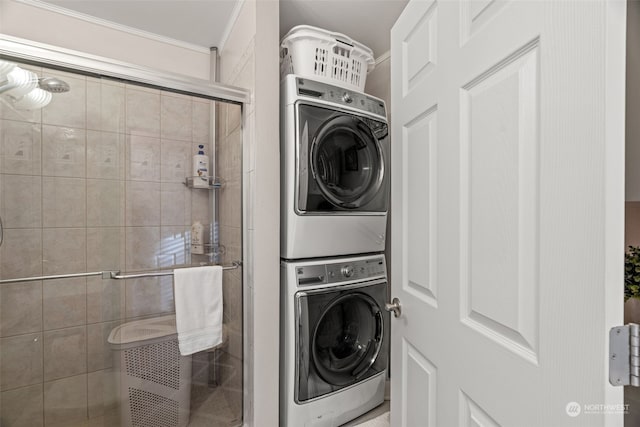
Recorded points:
(347, 271)
(347, 98)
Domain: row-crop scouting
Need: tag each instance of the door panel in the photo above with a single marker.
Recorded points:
(499, 212)
(507, 187)
(420, 149)
(472, 415)
(419, 379)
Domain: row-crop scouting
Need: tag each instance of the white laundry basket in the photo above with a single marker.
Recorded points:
(155, 380)
(322, 55)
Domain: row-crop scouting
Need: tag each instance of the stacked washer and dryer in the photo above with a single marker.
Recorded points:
(335, 196)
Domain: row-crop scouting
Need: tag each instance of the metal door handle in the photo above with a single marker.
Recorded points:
(394, 307)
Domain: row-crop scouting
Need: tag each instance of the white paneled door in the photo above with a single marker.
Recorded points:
(508, 204)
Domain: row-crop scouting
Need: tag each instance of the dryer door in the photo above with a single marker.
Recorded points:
(344, 343)
(346, 161)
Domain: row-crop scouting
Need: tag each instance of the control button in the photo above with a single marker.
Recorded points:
(347, 98)
(347, 271)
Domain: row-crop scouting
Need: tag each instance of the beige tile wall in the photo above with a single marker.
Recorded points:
(91, 182)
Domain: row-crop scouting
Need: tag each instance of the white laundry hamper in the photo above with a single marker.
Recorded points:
(322, 55)
(155, 380)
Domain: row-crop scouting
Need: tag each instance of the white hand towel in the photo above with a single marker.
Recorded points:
(198, 299)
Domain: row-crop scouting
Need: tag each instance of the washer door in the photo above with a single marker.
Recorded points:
(347, 162)
(347, 339)
(339, 337)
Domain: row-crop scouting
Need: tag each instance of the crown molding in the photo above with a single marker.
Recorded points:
(230, 24)
(384, 57)
(114, 26)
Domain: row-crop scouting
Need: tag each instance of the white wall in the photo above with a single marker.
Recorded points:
(45, 26)
(250, 59)
(379, 85)
(379, 80)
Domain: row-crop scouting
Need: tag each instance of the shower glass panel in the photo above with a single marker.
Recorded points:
(96, 181)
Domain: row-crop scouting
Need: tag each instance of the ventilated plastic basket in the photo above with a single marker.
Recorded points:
(155, 380)
(322, 55)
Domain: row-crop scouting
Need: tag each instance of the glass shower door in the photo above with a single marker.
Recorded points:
(95, 181)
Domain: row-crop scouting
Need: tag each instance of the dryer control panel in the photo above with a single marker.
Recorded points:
(341, 96)
(341, 271)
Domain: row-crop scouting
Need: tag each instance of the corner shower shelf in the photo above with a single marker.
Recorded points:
(214, 183)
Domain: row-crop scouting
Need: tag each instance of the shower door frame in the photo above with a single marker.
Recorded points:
(75, 61)
(56, 57)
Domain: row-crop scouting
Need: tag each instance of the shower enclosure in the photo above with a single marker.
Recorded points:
(97, 207)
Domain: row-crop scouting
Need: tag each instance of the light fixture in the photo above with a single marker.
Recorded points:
(24, 90)
(19, 82)
(37, 98)
(5, 68)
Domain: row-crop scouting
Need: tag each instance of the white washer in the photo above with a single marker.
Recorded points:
(335, 181)
(334, 339)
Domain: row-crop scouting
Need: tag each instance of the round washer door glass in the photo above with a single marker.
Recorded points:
(346, 162)
(347, 338)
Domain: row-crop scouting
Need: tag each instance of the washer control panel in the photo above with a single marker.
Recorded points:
(338, 95)
(337, 272)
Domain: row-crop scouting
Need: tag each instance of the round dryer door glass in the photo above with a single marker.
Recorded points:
(347, 339)
(346, 162)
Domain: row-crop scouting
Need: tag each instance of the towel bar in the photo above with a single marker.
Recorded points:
(116, 274)
(108, 274)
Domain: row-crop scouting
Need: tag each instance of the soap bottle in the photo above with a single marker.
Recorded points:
(200, 169)
(197, 244)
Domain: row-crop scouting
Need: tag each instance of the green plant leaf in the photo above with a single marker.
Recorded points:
(632, 272)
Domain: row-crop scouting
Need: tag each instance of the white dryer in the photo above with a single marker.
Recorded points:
(335, 181)
(334, 339)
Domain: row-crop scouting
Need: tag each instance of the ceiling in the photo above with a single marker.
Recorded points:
(204, 23)
(207, 23)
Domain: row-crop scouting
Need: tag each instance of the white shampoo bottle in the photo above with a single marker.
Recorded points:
(201, 169)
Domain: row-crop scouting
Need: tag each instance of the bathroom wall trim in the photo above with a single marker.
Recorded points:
(27, 50)
(232, 21)
(114, 26)
(384, 57)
